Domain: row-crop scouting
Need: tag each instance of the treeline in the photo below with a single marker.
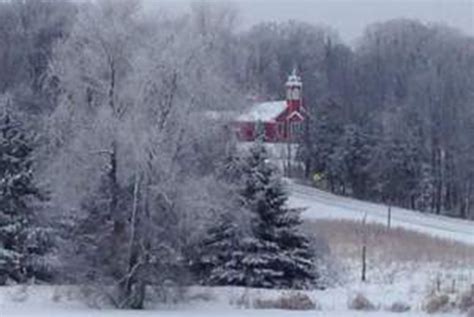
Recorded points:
(113, 177)
(392, 118)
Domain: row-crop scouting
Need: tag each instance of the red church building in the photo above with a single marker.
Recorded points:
(277, 121)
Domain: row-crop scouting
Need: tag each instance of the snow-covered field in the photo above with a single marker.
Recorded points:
(405, 282)
(323, 205)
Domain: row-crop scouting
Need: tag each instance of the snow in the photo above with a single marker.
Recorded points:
(193, 313)
(44, 301)
(265, 112)
(406, 282)
(323, 205)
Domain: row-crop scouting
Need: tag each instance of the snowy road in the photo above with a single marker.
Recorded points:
(323, 205)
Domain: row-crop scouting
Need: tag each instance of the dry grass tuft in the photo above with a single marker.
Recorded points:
(361, 302)
(438, 303)
(399, 307)
(295, 301)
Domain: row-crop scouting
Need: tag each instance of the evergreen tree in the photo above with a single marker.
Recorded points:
(220, 263)
(272, 253)
(23, 243)
(231, 256)
(286, 259)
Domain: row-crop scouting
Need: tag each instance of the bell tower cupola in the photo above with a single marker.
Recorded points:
(294, 91)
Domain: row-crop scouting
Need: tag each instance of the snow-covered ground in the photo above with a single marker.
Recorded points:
(207, 313)
(58, 302)
(323, 205)
(405, 282)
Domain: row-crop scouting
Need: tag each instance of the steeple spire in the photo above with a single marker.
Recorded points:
(295, 71)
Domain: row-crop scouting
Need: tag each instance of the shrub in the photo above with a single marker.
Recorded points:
(399, 307)
(466, 301)
(296, 301)
(437, 303)
(360, 302)
(266, 304)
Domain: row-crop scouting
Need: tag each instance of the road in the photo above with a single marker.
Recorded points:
(323, 205)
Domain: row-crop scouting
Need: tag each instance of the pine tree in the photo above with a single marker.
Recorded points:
(220, 260)
(272, 253)
(286, 258)
(22, 243)
(230, 256)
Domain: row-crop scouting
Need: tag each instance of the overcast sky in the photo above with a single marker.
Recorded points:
(349, 17)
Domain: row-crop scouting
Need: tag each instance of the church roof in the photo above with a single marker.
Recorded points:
(266, 111)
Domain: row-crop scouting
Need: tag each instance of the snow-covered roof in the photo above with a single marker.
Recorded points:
(266, 111)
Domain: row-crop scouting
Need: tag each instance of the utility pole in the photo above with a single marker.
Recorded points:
(364, 248)
(389, 216)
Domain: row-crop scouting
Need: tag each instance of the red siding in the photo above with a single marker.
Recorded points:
(275, 131)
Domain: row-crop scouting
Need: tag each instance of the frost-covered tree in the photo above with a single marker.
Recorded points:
(132, 164)
(28, 30)
(23, 243)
